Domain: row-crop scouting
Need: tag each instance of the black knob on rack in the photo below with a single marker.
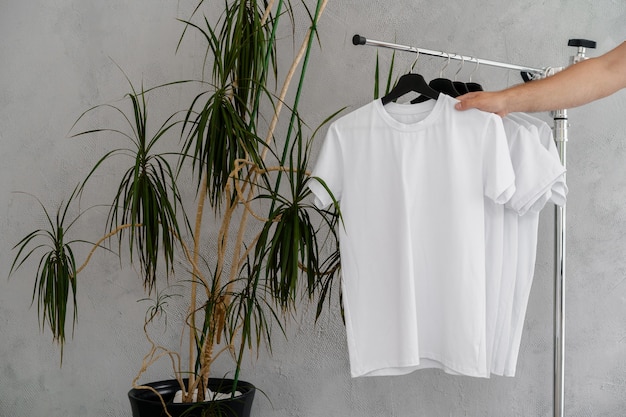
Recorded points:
(358, 40)
(584, 43)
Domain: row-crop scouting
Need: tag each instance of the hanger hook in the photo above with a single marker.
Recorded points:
(460, 68)
(475, 69)
(414, 62)
(445, 66)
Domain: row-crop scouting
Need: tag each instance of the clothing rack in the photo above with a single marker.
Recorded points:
(561, 136)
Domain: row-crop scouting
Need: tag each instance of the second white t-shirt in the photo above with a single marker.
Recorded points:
(537, 172)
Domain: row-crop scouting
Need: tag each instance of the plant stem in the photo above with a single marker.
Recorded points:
(194, 279)
(105, 237)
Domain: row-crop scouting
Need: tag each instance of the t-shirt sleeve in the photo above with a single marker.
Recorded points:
(498, 176)
(558, 193)
(559, 188)
(328, 172)
(536, 172)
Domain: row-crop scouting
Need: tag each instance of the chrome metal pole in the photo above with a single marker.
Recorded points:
(361, 40)
(561, 137)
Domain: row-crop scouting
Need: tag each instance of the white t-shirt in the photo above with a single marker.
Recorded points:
(411, 182)
(558, 192)
(537, 172)
(551, 168)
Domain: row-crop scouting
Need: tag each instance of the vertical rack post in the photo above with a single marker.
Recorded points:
(561, 136)
(560, 128)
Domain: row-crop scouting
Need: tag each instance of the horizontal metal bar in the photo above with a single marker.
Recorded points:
(361, 40)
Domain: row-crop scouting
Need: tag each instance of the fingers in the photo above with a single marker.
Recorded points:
(483, 100)
(467, 101)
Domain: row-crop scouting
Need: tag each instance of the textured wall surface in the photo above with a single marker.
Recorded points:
(57, 58)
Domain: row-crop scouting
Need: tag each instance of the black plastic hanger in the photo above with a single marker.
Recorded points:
(410, 82)
(474, 87)
(442, 85)
(461, 87)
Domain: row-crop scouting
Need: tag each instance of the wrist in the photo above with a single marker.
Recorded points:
(507, 101)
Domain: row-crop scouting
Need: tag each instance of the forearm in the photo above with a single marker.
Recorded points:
(576, 85)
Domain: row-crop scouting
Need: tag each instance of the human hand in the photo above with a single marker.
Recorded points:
(493, 102)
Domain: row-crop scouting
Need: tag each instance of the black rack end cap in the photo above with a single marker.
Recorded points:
(526, 76)
(358, 40)
(585, 43)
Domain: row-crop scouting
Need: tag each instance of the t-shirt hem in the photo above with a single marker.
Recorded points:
(422, 363)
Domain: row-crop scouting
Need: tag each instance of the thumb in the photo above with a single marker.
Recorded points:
(462, 104)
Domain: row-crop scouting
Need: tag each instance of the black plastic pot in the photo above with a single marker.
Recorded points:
(145, 403)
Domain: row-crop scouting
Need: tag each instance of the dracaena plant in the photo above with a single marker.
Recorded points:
(272, 246)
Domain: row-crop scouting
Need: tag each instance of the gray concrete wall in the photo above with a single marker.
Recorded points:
(57, 59)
